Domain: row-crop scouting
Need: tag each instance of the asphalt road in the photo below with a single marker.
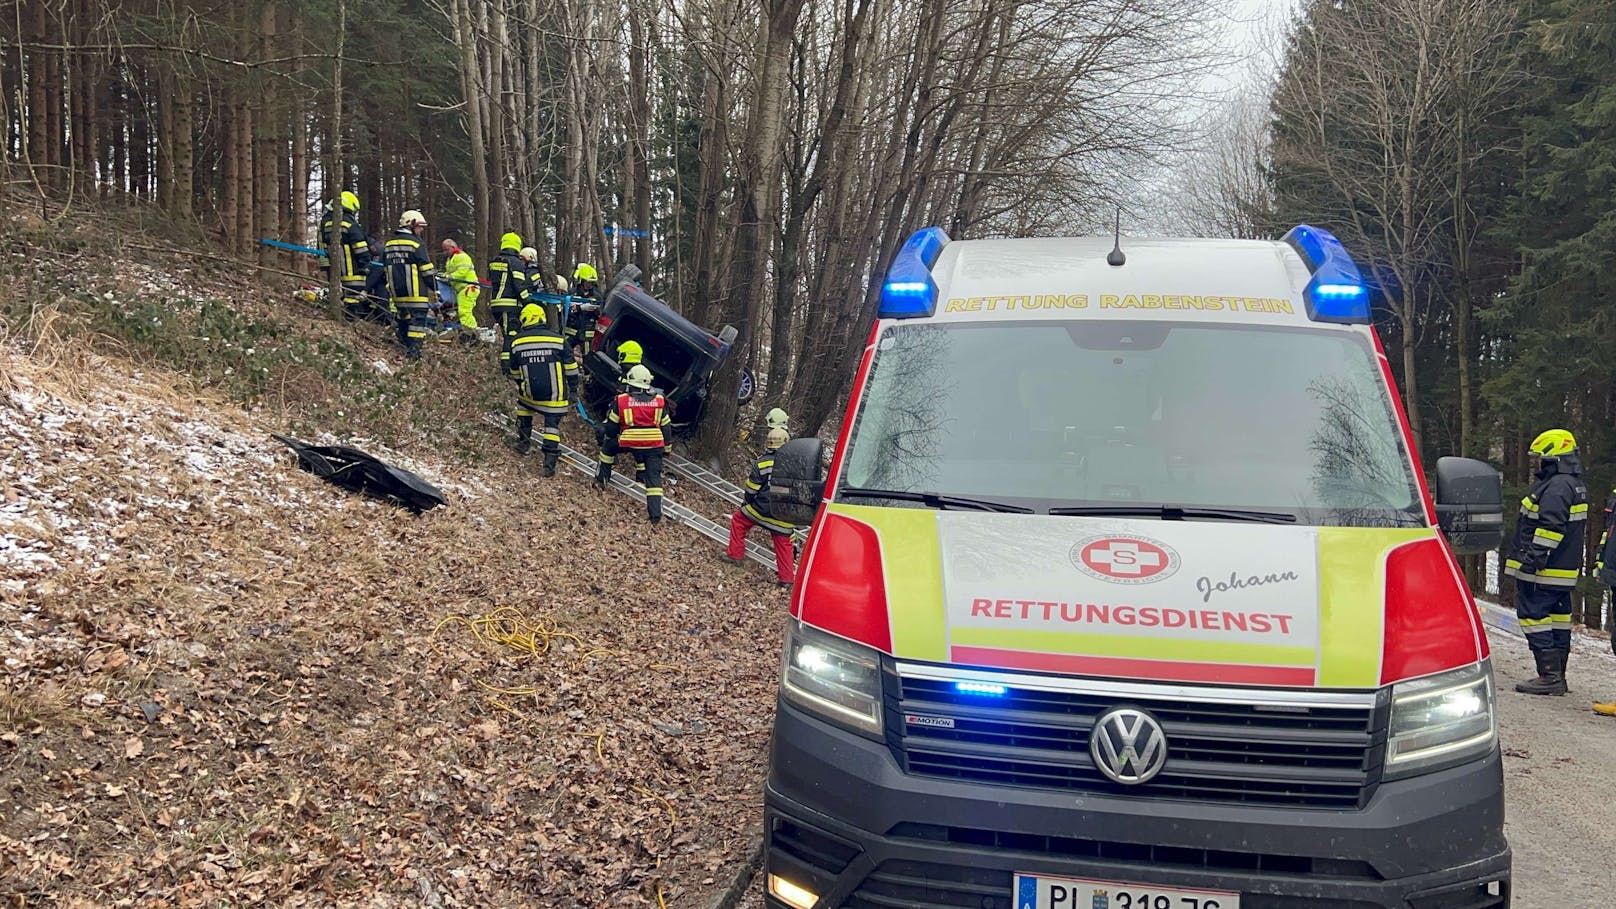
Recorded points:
(1559, 778)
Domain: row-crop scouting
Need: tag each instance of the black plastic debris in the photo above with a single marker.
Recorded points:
(353, 469)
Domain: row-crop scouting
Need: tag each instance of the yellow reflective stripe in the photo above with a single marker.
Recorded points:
(1528, 506)
(1557, 572)
(653, 490)
(912, 562)
(1352, 581)
(607, 459)
(1536, 623)
(751, 485)
(765, 465)
(1550, 535)
(641, 435)
(753, 513)
(1577, 508)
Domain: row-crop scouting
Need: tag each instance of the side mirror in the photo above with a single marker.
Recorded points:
(1469, 504)
(797, 483)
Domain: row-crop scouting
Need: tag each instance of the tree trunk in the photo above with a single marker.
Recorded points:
(331, 175)
(758, 189)
(471, 119)
(639, 187)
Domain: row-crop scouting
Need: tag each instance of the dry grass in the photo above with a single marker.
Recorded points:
(234, 684)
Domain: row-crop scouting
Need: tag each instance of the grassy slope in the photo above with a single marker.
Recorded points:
(327, 727)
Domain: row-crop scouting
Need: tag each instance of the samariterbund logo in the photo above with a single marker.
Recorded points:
(1124, 559)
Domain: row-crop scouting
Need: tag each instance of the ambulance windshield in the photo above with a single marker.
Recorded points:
(1060, 415)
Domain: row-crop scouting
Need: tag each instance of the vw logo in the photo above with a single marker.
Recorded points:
(1128, 746)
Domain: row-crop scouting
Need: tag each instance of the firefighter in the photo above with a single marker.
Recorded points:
(585, 307)
(777, 419)
(508, 275)
(637, 417)
(355, 253)
(1605, 571)
(411, 280)
(462, 275)
(754, 512)
(1545, 557)
(546, 379)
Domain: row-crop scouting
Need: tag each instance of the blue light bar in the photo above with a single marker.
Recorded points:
(984, 688)
(1337, 292)
(909, 290)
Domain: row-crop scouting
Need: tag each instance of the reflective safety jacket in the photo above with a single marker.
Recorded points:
(640, 416)
(1548, 542)
(508, 275)
(355, 250)
(756, 503)
(411, 279)
(1605, 561)
(462, 275)
(544, 369)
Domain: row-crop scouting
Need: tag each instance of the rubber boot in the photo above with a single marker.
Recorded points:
(1565, 668)
(550, 459)
(1550, 675)
(603, 475)
(524, 435)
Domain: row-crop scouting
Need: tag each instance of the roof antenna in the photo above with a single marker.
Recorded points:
(1115, 257)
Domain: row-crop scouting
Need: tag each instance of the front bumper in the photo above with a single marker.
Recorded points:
(845, 822)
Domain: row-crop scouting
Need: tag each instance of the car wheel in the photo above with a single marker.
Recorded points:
(748, 386)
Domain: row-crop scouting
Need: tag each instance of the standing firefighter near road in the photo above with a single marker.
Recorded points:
(637, 419)
(585, 307)
(411, 280)
(462, 275)
(754, 512)
(508, 277)
(546, 378)
(355, 249)
(1546, 556)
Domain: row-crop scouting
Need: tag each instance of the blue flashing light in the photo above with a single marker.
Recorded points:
(1337, 292)
(988, 689)
(909, 290)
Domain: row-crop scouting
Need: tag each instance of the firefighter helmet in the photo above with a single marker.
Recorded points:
(412, 219)
(638, 377)
(532, 314)
(561, 284)
(1553, 443)
(350, 201)
(585, 272)
(510, 240)
(776, 419)
(630, 352)
(529, 255)
(777, 437)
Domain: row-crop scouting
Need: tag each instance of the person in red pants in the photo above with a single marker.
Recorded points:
(754, 512)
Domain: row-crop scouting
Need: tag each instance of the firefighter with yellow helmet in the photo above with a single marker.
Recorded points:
(411, 280)
(546, 379)
(343, 217)
(585, 307)
(508, 277)
(1545, 557)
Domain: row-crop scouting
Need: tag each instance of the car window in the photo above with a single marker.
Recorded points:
(1063, 414)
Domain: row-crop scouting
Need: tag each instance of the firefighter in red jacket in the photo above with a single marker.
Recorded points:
(754, 512)
(637, 418)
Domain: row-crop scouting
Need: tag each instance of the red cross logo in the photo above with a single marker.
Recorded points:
(1130, 560)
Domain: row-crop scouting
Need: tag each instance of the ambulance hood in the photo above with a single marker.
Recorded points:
(1183, 601)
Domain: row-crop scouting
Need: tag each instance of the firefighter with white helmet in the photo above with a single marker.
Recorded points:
(755, 512)
(637, 419)
(411, 280)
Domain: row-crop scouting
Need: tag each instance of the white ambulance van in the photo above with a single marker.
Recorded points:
(1125, 591)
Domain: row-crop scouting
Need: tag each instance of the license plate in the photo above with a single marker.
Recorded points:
(1037, 891)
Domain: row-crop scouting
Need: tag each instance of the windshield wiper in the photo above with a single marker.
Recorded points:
(935, 500)
(1175, 513)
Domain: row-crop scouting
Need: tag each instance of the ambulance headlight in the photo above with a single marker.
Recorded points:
(1441, 720)
(833, 677)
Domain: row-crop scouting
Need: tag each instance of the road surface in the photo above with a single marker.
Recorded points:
(1559, 778)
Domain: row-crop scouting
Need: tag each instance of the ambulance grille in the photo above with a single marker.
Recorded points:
(1295, 757)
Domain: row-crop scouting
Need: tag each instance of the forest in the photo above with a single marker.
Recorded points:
(761, 160)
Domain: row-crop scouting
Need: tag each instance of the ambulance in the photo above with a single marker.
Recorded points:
(1125, 591)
